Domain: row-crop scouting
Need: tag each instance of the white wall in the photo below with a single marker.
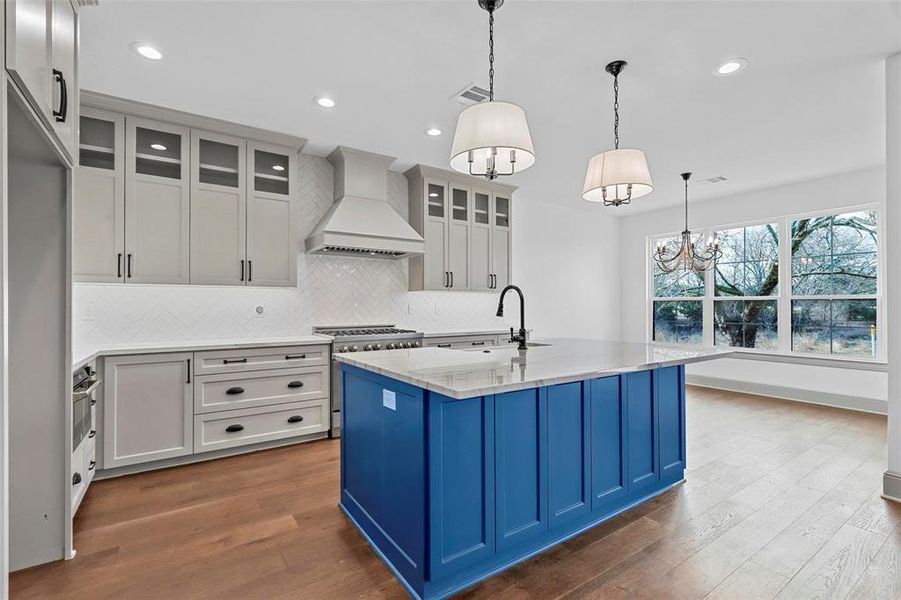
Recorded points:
(892, 485)
(560, 259)
(847, 189)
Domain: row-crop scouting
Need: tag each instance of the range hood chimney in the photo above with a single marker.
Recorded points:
(361, 222)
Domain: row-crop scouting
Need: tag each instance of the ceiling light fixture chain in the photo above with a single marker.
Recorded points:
(616, 110)
(491, 53)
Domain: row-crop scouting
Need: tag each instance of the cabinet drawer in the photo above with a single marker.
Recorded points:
(259, 359)
(249, 426)
(469, 341)
(230, 391)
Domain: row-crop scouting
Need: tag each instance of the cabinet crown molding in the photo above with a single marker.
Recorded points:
(186, 119)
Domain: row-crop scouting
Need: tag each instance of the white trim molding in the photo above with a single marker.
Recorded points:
(858, 403)
(891, 486)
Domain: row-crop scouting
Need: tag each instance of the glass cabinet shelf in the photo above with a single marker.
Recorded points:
(97, 141)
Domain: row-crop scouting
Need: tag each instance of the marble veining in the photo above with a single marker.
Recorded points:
(468, 373)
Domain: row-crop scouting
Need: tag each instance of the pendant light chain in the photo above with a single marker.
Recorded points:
(686, 204)
(616, 111)
(491, 55)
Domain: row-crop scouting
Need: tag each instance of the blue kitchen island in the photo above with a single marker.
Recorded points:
(457, 464)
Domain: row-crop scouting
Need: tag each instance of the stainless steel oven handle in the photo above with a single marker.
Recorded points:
(81, 395)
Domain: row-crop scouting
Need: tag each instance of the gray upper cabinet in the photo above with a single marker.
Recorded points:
(100, 198)
(271, 243)
(466, 226)
(42, 58)
(218, 209)
(157, 205)
(163, 203)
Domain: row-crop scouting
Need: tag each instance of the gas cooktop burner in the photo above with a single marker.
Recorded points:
(371, 337)
(366, 331)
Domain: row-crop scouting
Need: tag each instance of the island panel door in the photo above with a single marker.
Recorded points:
(670, 392)
(521, 466)
(461, 482)
(609, 481)
(641, 434)
(568, 452)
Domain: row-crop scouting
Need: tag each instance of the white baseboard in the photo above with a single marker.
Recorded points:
(891, 486)
(858, 403)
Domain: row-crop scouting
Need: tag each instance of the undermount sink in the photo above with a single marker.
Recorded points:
(536, 344)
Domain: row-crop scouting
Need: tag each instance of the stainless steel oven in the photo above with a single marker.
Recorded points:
(84, 383)
(365, 338)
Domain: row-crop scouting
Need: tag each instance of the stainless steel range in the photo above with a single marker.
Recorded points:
(366, 338)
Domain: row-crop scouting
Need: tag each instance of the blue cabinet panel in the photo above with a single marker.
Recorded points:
(568, 456)
(385, 491)
(608, 452)
(461, 449)
(671, 419)
(521, 465)
(641, 432)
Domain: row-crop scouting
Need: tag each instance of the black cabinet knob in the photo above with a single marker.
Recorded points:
(92, 434)
(295, 384)
(76, 478)
(234, 428)
(295, 419)
(93, 464)
(234, 390)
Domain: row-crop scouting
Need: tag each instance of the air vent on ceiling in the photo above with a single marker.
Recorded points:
(717, 179)
(471, 94)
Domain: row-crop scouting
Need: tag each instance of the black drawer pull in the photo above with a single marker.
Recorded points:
(229, 361)
(92, 434)
(295, 356)
(234, 390)
(482, 343)
(444, 345)
(93, 464)
(295, 419)
(76, 478)
(295, 384)
(93, 402)
(234, 428)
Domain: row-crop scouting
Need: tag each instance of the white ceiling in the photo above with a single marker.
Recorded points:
(810, 104)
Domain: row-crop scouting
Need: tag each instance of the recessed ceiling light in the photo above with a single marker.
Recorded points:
(324, 101)
(147, 51)
(278, 168)
(731, 66)
(159, 147)
(433, 132)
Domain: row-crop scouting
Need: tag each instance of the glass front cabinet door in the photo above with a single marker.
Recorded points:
(100, 198)
(218, 209)
(271, 244)
(157, 202)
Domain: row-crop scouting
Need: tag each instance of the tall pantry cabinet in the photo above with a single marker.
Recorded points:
(466, 224)
(170, 198)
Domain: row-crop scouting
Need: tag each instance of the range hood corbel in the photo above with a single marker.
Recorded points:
(361, 223)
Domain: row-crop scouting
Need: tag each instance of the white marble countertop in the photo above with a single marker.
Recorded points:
(468, 373)
(83, 355)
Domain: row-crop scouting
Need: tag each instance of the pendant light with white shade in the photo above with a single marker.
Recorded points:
(617, 176)
(492, 138)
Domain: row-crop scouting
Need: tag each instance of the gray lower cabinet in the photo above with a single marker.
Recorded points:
(164, 406)
(148, 408)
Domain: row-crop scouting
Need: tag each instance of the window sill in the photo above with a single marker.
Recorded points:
(835, 362)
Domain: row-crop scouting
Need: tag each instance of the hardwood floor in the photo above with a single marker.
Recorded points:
(781, 500)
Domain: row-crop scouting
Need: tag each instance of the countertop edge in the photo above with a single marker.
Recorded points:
(516, 386)
(200, 346)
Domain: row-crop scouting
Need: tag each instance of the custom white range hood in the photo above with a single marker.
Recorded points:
(361, 222)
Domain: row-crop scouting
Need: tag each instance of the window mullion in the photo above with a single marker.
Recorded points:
(784, 306)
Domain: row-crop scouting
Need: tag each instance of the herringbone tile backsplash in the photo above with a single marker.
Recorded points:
(330, 291)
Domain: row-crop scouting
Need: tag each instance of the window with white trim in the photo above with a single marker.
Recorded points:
(827, 301)
(745, 288)
(678, 311)
(835, 273)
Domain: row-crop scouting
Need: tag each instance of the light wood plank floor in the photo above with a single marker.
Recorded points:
(781, 501)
